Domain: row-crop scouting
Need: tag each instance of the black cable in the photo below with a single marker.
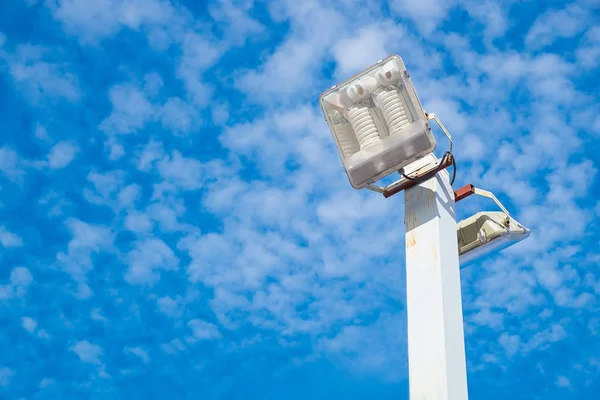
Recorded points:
(438, 169)
(453, 170)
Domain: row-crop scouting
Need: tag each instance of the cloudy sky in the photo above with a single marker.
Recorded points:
(176, 223)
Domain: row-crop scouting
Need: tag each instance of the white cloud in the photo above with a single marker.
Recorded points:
(199, 53)
(42, 134)
(267, 142)
(90, 20)
(510, 343)
(46, 382)
(138, 222)
(178, 116)
(93, 22)
(367, 46)
(131, 110)
(153, 83)
(128, 195)
(235, 20)
(106, 185)
(170, 306)
(110, 190)
(43, 334)
(148, 155)
(62, 154)
(245, 257)
(40, 79)
(164, 24)
(488, 318)
(139, 352)
(291, 72)
(29, 324)
(354, 207)
(167, 211)
(378, 348)
(9, 239)
(87, 352)
(147, 258)
(57, 204)
(588, 52)
(220, 114)
(563, 382)
(186, 173)
(557, 24)
(426, 14)
(174, 346)
(87, 239)
(494, 17)
(202, 330)
(544, 338)
(20, 279)
(115, 149)
(10, 164)
(97, 315)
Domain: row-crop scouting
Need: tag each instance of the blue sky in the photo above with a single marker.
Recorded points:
(176, 222)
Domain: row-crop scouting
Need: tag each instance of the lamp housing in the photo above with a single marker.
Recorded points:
(377, 122)
(487, 232)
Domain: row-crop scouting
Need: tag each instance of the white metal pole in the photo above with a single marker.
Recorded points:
(436, 349)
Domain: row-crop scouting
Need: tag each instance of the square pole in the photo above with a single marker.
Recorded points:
(436, 348)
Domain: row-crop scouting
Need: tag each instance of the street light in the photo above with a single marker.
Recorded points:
(379, 128)
(377, 121)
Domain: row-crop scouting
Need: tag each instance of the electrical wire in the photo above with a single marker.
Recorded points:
(453, 170)
(438, 169)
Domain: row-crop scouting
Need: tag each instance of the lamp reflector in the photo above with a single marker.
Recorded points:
(485, 233)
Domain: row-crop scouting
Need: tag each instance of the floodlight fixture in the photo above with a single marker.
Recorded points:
(486, 232)
(378, 123)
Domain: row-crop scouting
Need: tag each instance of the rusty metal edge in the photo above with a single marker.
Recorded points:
(446, 162)
(464, 192)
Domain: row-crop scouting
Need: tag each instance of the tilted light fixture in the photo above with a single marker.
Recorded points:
(378, 123)
(486, 232)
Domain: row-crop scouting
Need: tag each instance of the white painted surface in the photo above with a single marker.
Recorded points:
(436, 349)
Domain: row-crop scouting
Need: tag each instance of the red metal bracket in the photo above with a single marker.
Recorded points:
(464, 192)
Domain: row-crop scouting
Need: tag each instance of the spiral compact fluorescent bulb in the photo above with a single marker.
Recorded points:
(346, 138)
(359, 114)
(389, 101)
(348, 141)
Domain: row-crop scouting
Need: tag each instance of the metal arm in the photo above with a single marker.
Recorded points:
(432, 116)
(469, 189)
(490, 195)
